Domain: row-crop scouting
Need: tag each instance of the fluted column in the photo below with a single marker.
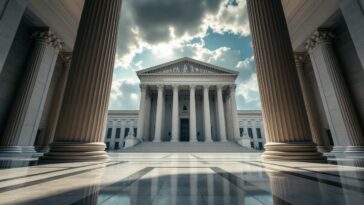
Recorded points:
(311, 109)
(206, 113)
(175, 115)
(141, 117)
(122, 135)
(113, 134)
(287, 130)
(193, 129)
(220, 108)
(81, 125)
(234, 112)
(56, 104)
(146, 132)
(158, 120)
(22, 125)
(343, 121)
(131, 133)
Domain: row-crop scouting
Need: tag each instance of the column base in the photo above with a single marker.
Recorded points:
(292, 152)
(42, 149)
(324, 149)
(17, 149)
(75, 152)
(350, 150)
(11, 149)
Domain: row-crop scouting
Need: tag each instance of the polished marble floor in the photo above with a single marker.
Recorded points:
(182, 178)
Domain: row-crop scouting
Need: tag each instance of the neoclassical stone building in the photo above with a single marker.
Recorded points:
(310, 70)
(185, 100)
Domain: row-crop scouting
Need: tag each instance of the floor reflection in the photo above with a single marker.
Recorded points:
(188, 180)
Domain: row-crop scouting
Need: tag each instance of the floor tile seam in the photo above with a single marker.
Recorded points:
(315, 179)
(317, 172)
(40, 181)
(218, 171)
(50, 175)
(142, 172)
(48, 172)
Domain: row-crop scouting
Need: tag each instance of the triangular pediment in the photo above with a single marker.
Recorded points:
(186, 66)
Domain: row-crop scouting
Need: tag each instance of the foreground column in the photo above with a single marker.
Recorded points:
(175, 113)
(234, 112)
(220, 104)
(206, 113)
(311, 109)
(193, 130)
(141, 117)
(287, 131)
(56, 104)
(81, 126)
(158, 120)
(22, 125)
(343, 121)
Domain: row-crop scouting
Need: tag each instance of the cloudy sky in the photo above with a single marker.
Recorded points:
(157, 31)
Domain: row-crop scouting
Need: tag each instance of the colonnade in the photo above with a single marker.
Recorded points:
(143, 127)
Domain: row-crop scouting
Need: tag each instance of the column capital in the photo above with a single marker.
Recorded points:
(66, 57)
(175, 86)
(143, 86)
(319, 37)
(49, 38)
(232, 87)
(219, 86)
(192, 87)
(299, 58)
(206, 86)
(160, 86)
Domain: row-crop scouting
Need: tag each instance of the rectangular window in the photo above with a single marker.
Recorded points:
(117, 145)
(259, 133)
(108, 134)
(126, 132)
(135, 132)
(260, 145)
(252, 144)
(250, 133)
(241, 131)
(117, 135)
(107, 145)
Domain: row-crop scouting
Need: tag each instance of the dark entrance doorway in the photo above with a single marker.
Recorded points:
(185, 130)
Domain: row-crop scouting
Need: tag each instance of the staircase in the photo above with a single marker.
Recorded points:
(198, 147)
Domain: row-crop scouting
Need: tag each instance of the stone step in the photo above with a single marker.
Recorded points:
(201, 147)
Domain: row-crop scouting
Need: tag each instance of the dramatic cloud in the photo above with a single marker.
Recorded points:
(161, 24)
(157, 31)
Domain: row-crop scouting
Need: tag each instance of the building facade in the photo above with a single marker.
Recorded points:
(122, 123)
(186, 100)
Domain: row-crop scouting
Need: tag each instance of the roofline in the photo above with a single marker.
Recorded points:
(139, 72)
